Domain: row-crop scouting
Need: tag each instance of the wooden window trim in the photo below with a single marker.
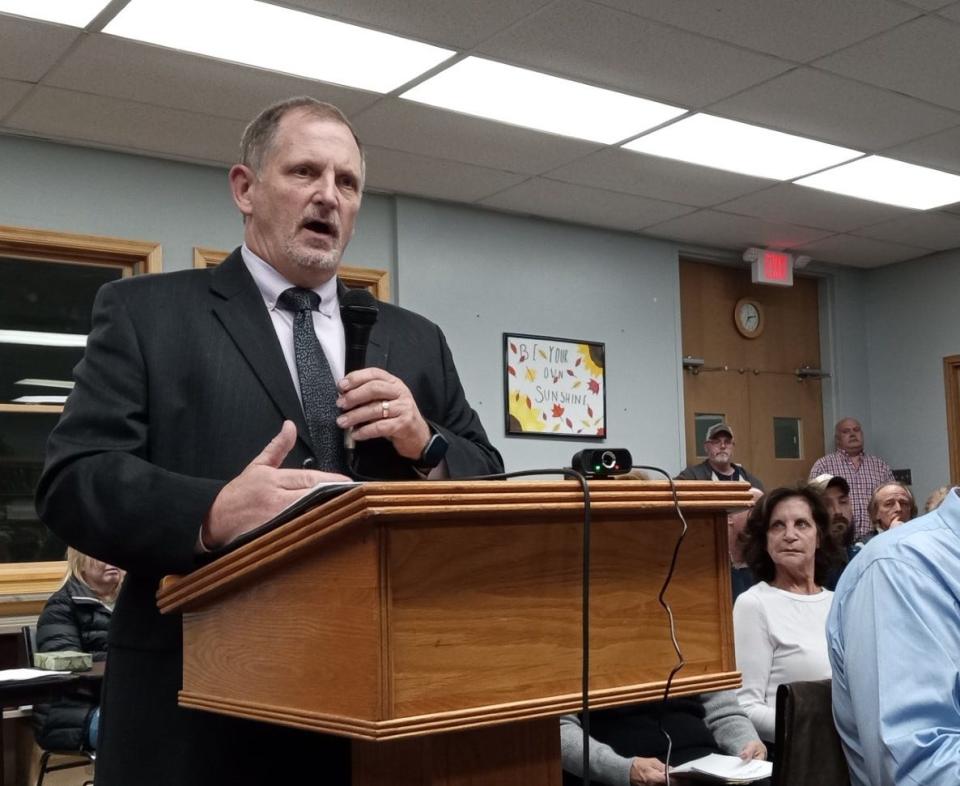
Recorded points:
(48, 246)
(377, 281)
(25, 586)
(951, 380)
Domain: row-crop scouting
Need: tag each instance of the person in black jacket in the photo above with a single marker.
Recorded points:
(76, 618)
(719, 446)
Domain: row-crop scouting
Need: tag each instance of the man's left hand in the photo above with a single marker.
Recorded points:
(377, 404)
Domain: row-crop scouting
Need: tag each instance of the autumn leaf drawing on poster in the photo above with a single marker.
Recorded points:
(554, 387)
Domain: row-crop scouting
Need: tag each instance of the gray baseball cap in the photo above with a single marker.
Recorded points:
(719, 428)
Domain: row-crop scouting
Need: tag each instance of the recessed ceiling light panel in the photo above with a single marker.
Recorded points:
(279, 39)
(66, 384)
(508, 94)
(892, 182)
(740, 147)
(41, 339)
(74, 13)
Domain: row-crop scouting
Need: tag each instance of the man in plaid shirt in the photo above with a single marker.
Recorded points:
(861, 470)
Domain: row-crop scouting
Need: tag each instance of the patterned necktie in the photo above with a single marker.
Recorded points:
(318, 391)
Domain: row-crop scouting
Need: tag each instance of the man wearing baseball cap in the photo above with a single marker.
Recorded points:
(718, 446)
(835, 491)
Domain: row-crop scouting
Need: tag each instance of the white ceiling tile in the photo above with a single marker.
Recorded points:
(940, 151)
(457, 24)
(76, 117)
(582, 40)
(10, 93)
(582, 205)
(711, 228)
(30, 48)
(405, 125)
(934, 231)
(835, 109)
(859, 251)
(791, 204)
(394, 171)
(617, 169)
(796, 31)
(879, 94)
(921, 59)
(120, 68)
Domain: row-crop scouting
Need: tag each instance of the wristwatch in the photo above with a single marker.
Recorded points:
(433, 453)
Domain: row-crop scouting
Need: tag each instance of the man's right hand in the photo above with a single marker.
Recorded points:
(261, 491)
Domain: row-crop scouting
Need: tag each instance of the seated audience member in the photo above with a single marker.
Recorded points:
(835, 492)
(778, 623)
(627, 747)
(76, 618)
(891, 505)
(936, 497)
(719, 465)
(893, 639)
(741, 577)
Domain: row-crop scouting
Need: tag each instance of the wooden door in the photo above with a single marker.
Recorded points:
(951, 379)
(752, 382)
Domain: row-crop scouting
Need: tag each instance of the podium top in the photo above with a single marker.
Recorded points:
(417, 502)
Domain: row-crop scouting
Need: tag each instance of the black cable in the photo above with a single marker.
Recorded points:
(666, 606)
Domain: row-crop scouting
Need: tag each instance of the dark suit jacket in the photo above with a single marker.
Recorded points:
(183, 383)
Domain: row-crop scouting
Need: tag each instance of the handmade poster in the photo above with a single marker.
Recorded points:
(554, 387)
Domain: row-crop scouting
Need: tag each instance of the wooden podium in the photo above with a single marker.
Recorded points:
(437, 624)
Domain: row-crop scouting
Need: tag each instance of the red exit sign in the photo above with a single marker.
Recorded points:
(773, 267)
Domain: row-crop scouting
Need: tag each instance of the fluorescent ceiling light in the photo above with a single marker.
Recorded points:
(66, 384)
(547, 103)
(36, 338)
(40, 400)
(740, 147)
(268, 36)
(75, 13)
(892, 182)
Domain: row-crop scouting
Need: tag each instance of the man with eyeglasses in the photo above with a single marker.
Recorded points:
(719, 446)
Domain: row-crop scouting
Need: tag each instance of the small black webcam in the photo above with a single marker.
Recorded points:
(602, 463)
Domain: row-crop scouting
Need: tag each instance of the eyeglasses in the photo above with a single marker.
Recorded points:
(721, 441)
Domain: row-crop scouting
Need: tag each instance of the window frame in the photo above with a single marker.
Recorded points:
(25, 586)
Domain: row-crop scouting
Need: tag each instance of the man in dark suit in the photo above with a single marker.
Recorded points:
(186, 429)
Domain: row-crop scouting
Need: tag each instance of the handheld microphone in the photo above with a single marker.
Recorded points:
(358, 312)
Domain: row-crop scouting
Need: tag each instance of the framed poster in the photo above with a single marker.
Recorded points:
(554, 387)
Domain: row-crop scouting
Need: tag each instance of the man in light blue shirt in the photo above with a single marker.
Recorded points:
(894, 642)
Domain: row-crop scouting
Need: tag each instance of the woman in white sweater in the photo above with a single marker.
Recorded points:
(779, 623)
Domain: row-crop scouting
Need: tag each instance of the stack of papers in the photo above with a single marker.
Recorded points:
(725, 769)
(13, 675)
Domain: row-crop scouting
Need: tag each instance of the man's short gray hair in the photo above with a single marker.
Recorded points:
(258, 137)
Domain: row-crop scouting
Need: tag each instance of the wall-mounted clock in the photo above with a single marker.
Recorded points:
(748, 317)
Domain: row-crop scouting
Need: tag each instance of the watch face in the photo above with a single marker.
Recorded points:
(434, 452)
